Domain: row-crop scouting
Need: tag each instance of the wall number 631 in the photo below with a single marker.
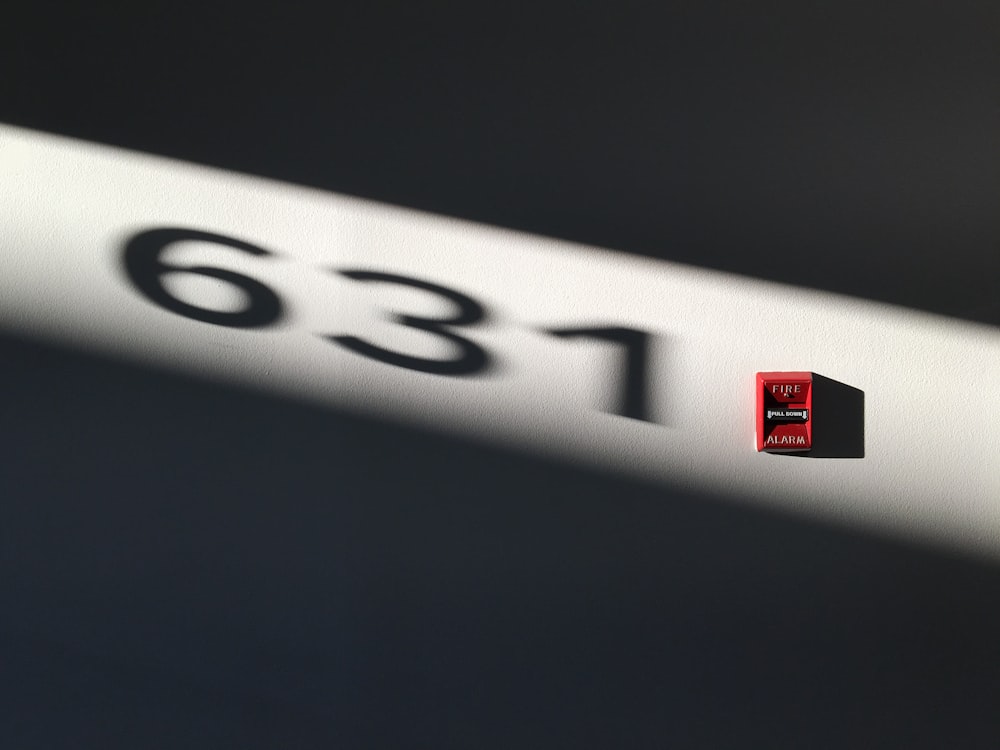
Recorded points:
(145, 268)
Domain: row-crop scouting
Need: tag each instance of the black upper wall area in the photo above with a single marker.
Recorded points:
(844, 146)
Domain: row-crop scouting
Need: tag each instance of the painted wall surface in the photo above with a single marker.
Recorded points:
(927, 472)
(318, 473)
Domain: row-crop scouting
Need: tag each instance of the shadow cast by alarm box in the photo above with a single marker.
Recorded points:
(838, 420)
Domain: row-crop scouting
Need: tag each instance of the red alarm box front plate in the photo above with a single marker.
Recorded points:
(784, 411)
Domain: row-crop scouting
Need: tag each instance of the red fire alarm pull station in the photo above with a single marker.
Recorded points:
(784, 411)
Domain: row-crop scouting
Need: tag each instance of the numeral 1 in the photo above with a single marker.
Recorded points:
(632, 400)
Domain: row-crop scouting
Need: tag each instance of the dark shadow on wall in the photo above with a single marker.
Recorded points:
(187, 565)
(838, 420)
(849, 149)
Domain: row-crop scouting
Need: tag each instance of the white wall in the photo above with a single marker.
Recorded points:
(932, 436)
